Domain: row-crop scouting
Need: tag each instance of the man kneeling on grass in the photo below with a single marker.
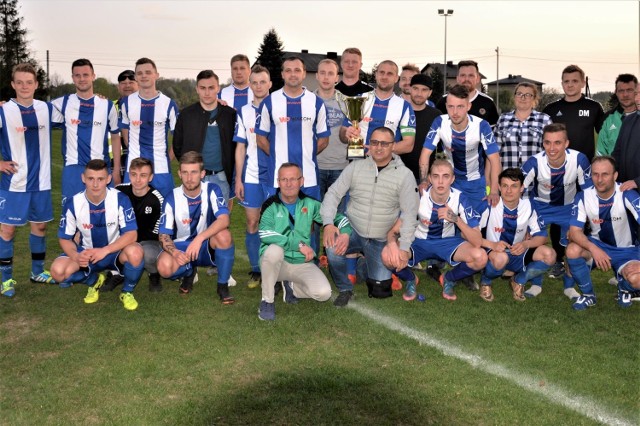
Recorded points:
(194, 229)
(106, 222)
(448, 230)
(285, 236)
(506, 228)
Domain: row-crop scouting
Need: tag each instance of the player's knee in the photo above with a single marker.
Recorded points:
(7, 232)
(222, 239)
(134, 253)
(498, 260)
(548, 255)
(252, 224)
(573, 251)
(272, 255)
(479, 258)
(38, 228)
(58, 270)
(324, 293)
(165, 265)
(632, 278)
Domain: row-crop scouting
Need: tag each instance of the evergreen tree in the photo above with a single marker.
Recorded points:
(270, 55)
(14, 49)
(438, 78)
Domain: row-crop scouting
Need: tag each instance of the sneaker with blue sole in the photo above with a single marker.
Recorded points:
(447, 288)
(43, 277)
(624, 299)
(410, 292)
(584, 302)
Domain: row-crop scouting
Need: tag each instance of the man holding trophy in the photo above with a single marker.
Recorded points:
(381, 108)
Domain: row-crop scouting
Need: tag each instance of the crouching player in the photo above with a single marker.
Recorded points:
(108, 231)
(444, 214)
(194, 229)
(506, 228)
(613, 242)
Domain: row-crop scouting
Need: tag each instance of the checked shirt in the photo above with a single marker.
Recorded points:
(519, 140)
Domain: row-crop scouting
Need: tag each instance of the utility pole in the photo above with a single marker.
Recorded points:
(498, 78)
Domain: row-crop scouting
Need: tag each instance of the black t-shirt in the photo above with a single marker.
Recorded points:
(424, 119)
(354, 90)
(482, 106)
(147, 209)
(583, 119)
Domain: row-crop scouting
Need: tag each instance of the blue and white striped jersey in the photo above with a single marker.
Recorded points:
(87, 123)
(99, 224)
(465, 149)
(149, 122)
(613, 221)
(25, 137)
(184, 217)
(511, 226)
(557, 187)
(432, 228)
(293, 126)
(393, 112)
(256, 163)
(236, 98)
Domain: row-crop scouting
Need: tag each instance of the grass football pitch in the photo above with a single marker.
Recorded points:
(192, 361)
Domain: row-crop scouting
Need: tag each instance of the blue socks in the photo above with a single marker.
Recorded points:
(182, 271)
(38, 247)
(131, 275)
(6, 259)
(352, 263)
(406, 274)
(224, 262)
(490, 273)
(582, 275)
(459, 272)
(252, 243)
(534, 269)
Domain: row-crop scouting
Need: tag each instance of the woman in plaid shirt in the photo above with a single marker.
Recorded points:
(519, 132)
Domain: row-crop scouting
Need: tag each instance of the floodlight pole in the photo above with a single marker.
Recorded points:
(446, 14)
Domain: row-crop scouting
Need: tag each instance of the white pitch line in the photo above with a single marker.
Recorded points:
(555, 394)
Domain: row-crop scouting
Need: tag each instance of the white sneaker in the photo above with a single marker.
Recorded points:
(232, 282)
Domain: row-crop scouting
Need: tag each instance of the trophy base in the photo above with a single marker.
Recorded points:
(356, 153)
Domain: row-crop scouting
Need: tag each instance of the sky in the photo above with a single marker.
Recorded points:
(536, 39)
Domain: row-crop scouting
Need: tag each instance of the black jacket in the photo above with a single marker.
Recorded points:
(191, 130)
(627, 150)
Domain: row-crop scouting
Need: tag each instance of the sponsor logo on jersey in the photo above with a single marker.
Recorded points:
(498, 229)
(583, 113)
(187, 221)
(288, 119)
(87, 226)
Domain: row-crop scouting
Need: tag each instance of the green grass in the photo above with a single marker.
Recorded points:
(190, 360)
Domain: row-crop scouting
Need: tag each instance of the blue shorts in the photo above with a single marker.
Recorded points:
(18, 208)
(72, 181)
(439, 249)
(255, 194)
(163, 182)
(206, 256)
(620, 256)
(475, 191)
(558, 215)
(109, 263)
(518, 263)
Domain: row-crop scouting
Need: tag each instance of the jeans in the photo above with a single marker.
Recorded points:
(372, 250)
(327, 177)
(219, 179)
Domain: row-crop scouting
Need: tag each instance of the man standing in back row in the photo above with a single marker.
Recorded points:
(146, 118)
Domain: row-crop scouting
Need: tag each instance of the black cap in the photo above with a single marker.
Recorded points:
(423, 79)
(126, 74)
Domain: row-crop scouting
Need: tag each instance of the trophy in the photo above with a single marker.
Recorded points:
(353, 108)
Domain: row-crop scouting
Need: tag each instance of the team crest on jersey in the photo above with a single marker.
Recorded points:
(63, 222)
(636, 204)
(162, 218)
(471, 213)
(221, 202)
(3, 201)
(412, 120)
(574, 210)
(587, 173)
(129, 215)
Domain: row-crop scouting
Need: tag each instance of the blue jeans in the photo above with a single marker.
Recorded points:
(326, 179)
(372, 250)
(219, 179)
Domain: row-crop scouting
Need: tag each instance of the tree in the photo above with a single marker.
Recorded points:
(546, 97)
(438, 80)
(270, 55)
(14, 49)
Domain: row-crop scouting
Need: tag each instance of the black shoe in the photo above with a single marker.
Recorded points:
(112, 281)
(343, 299)
(225, 296)
(155, 283)
(277, 288)
(557, 270)
(434, 272)
(288, 296)
(186, 286)
(471, 284)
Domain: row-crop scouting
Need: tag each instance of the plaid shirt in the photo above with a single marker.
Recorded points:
(519, 140)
